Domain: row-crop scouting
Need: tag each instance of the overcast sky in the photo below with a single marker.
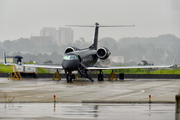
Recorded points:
(23, 18)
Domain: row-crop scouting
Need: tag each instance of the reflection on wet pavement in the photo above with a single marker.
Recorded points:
(88, 111)
(131, 90)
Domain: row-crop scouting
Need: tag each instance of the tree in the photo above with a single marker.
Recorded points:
(48, 61)
(145, 63)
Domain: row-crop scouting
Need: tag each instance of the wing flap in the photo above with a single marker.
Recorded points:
(133, 67)
(32, 65)
(126, 67)
(43, 66)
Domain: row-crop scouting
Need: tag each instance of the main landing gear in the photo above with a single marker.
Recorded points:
(100, 76)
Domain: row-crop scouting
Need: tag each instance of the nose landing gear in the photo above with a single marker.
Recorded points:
(70, 77)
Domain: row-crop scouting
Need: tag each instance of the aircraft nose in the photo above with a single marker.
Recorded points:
(70, 64)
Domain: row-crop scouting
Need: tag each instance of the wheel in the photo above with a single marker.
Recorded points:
(70, 80)
(67, 78)
(100, 77)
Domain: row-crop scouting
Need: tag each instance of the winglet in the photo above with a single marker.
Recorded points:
(4, 56)
(174, 60)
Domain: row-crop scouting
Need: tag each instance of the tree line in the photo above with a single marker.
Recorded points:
(155, 50)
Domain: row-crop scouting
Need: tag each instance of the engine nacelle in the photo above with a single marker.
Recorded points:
(103, 53)
(70, 49)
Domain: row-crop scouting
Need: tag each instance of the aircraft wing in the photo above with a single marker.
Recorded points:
(132, 67)
(43, 66)
(127, 67)
(33, 65)
(93, 68)
(40, 66)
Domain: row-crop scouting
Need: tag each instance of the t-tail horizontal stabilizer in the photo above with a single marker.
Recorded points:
(95, 44)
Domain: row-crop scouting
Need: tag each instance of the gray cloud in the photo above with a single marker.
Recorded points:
(175, 5)
(21, 18)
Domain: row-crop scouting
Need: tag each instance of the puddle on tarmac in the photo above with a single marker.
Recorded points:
(88, 111)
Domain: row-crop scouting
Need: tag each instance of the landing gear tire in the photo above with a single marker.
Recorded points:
(70, 81)
(69, 78)
(100, 77)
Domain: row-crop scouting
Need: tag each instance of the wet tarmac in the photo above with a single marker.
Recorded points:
(83, 91)
(84, 111)
(34, 99)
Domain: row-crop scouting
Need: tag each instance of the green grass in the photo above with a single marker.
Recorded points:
(128, 71)
(143, 71)
(174, 71)
(7, 69)
(42, 70)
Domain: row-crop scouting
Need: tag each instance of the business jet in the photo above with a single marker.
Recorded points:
(83, 60)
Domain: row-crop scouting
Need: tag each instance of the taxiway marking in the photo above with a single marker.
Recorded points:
(126, 95)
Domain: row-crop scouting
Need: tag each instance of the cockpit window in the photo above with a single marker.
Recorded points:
(70, 57)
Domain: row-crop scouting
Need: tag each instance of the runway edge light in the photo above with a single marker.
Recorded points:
(54, 98)
(149, 98)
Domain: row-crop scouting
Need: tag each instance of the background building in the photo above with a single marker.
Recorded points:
(117, 59)
(65, 35)
(50, 34)
(41, 40)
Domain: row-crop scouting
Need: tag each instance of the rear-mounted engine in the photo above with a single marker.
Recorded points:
(103, 53)
(70, 49)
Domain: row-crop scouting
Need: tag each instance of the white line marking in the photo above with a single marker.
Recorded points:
(127, 95)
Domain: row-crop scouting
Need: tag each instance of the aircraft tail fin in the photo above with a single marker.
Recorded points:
(95, 43)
